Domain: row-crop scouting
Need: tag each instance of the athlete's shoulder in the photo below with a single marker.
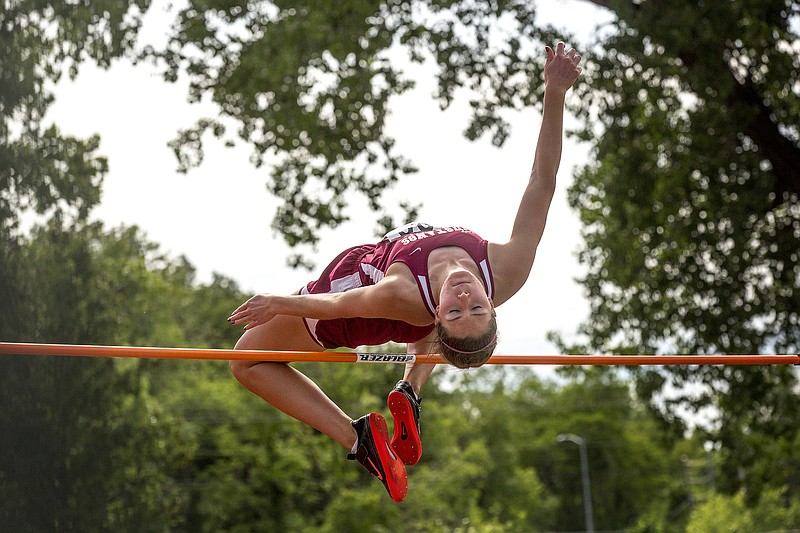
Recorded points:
(401, 294)
(510, 269)
(399, 277)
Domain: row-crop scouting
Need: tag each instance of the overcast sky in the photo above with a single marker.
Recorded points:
(219, 215)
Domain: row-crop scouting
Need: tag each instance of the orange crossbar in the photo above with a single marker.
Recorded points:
(11, 348)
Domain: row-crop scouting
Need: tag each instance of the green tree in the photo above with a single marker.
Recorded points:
(723, 514)
(690, 207)
(68, 424)
(630, 459)
(42, 170)
(690, 211)
(84, 446)
(253, 468)
(475, 475)
(318, 104)
(492, 455)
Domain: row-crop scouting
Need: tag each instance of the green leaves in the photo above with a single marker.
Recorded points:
(308, 87)
(81, 433)
(690, 214)
(690, 221)
(39, 168)
(681, 209)
(726, 513)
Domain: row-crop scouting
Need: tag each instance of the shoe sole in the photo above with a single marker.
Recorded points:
(405, 441)
(396, 480)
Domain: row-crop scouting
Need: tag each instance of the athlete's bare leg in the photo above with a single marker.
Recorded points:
(285, 387)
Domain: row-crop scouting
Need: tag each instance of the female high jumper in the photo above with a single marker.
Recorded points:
(432, 287)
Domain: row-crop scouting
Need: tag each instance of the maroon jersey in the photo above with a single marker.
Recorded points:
(367, 264)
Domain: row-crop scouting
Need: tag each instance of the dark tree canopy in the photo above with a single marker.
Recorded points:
(690, 209)
(39, 40)
(309, 85)
(42, 170)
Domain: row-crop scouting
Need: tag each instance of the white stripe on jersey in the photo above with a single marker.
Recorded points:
(487, 278)
(426, 292)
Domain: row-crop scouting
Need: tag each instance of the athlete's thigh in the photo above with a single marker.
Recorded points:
(281, 333)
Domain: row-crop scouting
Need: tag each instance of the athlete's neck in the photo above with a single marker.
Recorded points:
(444, 261)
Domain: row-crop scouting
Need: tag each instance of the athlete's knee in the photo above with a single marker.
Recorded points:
(239, 369)
(242, 370)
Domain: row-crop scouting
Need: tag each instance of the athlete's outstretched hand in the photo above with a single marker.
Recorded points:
(561, 69)
(254, 312)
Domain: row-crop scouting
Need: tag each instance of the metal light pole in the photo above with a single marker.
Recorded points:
(587, 491)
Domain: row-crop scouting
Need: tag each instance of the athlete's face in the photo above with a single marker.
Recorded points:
(464, 308)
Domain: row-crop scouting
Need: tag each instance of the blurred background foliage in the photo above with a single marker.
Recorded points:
(691, 231)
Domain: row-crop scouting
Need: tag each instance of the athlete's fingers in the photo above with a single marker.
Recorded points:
(241, 308)
(245, 315)
(236, 315)
(244, 309)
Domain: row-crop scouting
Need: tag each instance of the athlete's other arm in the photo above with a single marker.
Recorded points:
(512, 261)
(415, 373)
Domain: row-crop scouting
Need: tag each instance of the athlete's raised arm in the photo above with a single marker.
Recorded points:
(513, 260)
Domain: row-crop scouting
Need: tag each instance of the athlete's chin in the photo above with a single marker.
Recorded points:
(460, 277)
